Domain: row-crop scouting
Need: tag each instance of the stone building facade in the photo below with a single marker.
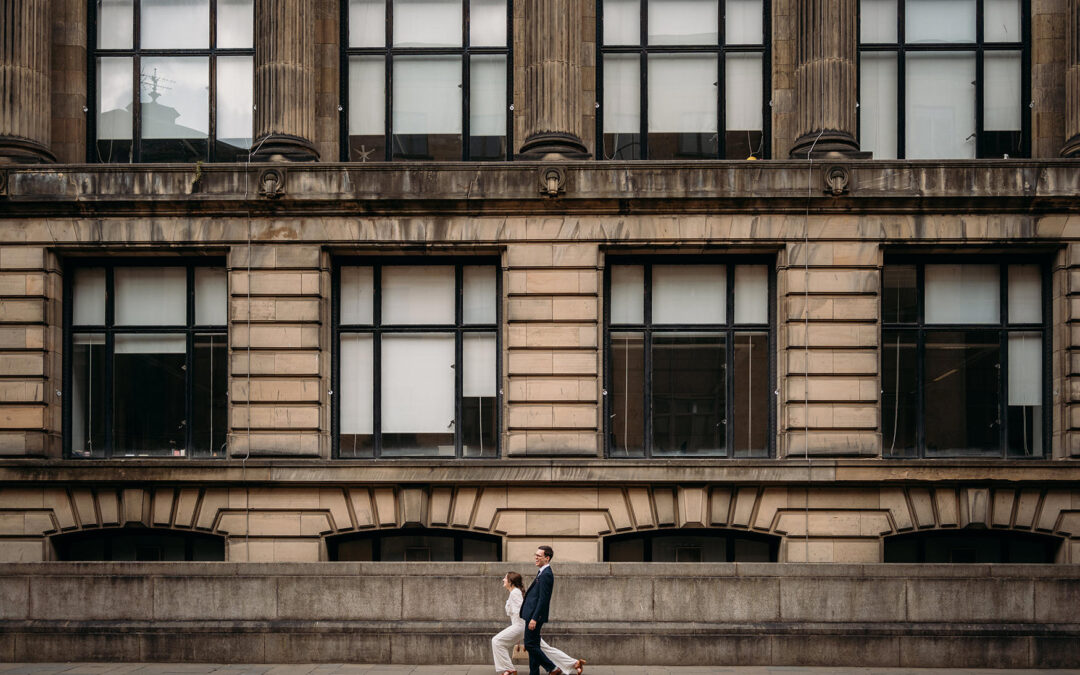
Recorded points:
(842, 237)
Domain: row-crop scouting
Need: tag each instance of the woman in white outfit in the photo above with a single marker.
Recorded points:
(503, 643)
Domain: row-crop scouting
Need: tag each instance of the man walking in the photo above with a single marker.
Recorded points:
(534, 610)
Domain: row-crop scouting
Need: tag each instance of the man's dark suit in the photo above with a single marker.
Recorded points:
(535, 608)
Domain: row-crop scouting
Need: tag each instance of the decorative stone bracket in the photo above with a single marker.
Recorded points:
(272, 183)
(552, 181)
(837, 179)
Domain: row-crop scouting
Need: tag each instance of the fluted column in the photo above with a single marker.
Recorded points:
(285, 80)
(25, 102)
(825, 77)
(1072, 80)
(553, 79)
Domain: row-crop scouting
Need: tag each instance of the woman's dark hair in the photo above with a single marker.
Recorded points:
(515, 580)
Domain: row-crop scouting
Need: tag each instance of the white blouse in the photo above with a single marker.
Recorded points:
(513, 604)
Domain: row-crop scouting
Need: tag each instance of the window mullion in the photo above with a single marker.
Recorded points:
(376, 360)
(729, 366)
(920, 360)
(901, 77)
(647, 442)
(189, 369)
(459, 359)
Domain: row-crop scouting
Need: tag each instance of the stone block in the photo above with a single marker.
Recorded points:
(15, 597)
(293, 417)
(13, 391)
(716, 599)
(693, 507)
(262, 444)
(274, 283)
(187, 598)
(91, 646)
(386, 507)
(970, 600)
(831, 362)
(276, 336)
(441, 597)
(614, 500)
(439, 506)
(574, 308)
(22, 364)
(835, 650)
(22, 417)
(846, 335)
(22, 258)
(832, 389)
(368, 597)
(275, 390)
(17, 310)
(211, 647)
(275, 363)
(964, 652)
(79, 597)
(326, 647)
(1026, 508)
(832, 416)
(846, 600)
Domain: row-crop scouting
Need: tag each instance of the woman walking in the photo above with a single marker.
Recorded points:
(502, 643)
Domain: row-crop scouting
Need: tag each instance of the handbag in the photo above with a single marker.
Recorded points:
(519, 654)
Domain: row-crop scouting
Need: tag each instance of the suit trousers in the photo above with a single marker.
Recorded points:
(504, 642)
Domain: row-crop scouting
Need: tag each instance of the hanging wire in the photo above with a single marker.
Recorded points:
(806, 338)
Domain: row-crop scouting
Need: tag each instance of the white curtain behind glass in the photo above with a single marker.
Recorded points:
(962, 294)
(622, 22)
(150, 296)
(627, 294)
(478, 352)
(418, 295)
(427, 23)
(683, 22)
(877, 104)
(1025, 294)
(175, 24)
(418, 383)
(356, 295)
(487, 23)
(622, 94)
(114, 98)
(367, 107)
(742, 22)
(356, 384)
(88, 303)
(367, 23)
(939, 21)
(751, 294)
(877, 21)
(478, 303)
(682, 93)
(115, 24)
(211, 298)
(235, 86)
(694, 294)
(487, 95)
(1025, 369)
(1001, 91)
(427, 94)
(742, 80)
(940, 105)
(1001, 19)
(235, 24)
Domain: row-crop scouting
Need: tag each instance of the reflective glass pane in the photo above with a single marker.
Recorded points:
(622, 106)
(899, 394)
(418, 394)
(962, 294)
(1025, 394)
(682, 106)
(1001, 91)
(427, 107)
(1001, 20)
(480, 296)
(751, 294)
(235, 97)
(877, 21)
(88, 396)
(877, 104)
(622, 22)
(175, 24)
(356, 396)
(627, 294)
(479, 383)
(115, 24)
(115, 98)
(148, 395)
(175, 95)
(742, 106)
(626, 425)
(487, 23)
(88, 297)
(211, 296)
(962, 392)
(367, 23)
(742, 22)
(487, 107)
(1025, 294)
(900, 295)
(690, 294)
(367, 108)
(418, 294)
(150, 296)
(357, 295)
(750, 428)
(235, 24)
(210, 424)
(689, 394)
(939, 21)
(427, 23)
(683, 22)
(940, 105)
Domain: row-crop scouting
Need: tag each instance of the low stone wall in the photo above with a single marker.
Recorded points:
(1005, 616)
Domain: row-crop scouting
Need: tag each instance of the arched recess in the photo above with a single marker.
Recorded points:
(415, 544)
(138, 544)
(972, 545)
(692, 545)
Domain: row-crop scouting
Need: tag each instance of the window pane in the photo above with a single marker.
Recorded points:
(148, 386)
(88, 396)
(622, 22)
(367, 23)
(962, 294)
(357, 295)
(629, 550)
(473, 550)
(418, 394)
(1001, 91)
(742, 22)
(235, 84)
(209, 425)
(175, 24)
(940, 105)
(751, 294)
(211, 297)
(688, 394)
(418, 295)
(487, 107)
(478, 429)
(877, 104)
(689, 548)
(622, 106)
(175, 108)
(88, 301)
(682, 106)
(115, 25)
(356, 392)
(235, 19)
(877, 21)
(487, 23)
(427, 23)
(367, 108)
(417, 548)
(939, 21)
(151, 296)
(480, 295)
(742, 106)
(900, 295)
(899, 394)
(751, 403)
(691, 294)
(115, 98)
(427, 107)
(1001, 20)
(627, 421)
(682, 22)
(962, 392)
(1025, 294)
(627, 294)
(1025, 394)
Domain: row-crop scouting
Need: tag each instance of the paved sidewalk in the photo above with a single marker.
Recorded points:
(359, 669)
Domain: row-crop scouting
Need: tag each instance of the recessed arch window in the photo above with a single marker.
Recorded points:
(415, 545)
(692, 545)
(971, 546)
(138, 545)
(683, 79)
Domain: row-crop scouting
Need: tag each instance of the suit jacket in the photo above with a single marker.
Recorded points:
(538, 598)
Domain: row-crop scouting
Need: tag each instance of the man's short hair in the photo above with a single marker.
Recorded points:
(547, 551)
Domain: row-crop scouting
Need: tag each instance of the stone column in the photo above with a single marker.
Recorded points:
(1072, 80)
(825, 77)
(285, 80)
(553, 67)
(24, 82)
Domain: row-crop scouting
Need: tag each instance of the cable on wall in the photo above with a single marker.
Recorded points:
(806, 340)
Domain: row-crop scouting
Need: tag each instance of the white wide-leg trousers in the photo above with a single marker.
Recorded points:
(503, 643)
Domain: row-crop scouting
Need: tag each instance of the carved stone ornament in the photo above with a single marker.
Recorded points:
(837, 179)
(552, 181)
(272, 183)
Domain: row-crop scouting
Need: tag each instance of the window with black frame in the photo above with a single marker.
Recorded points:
(692, 546)
(172, 80)
(415, 545)
(964, 359)
(416, 359)
(689, 365)
(426, 74)
(944, 79)
(145, 360)
(683, 79)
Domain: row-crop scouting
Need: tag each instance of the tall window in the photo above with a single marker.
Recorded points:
(416, 359)
(964, 359)
(944, 79)
(683, 79)
(172, 80)
(145, 360)
(432, 76)
(689, 361)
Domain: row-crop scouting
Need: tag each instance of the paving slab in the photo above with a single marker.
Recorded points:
(483, 669)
